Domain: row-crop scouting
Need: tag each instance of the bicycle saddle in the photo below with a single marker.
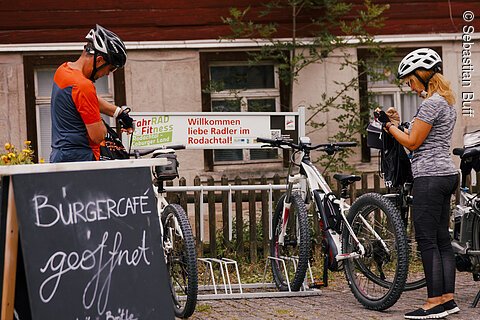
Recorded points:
(465, 153)
(346, 179)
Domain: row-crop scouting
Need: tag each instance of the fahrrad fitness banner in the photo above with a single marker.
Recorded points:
(213, 130)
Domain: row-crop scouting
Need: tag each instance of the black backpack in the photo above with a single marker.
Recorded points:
(395, 165)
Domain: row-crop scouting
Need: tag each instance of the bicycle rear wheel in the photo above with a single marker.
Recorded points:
(476, 239)
(290, 260)
(181, 259)
(377, 279)
(416, 275)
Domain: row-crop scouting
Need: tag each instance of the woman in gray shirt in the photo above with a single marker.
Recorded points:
(435, 177)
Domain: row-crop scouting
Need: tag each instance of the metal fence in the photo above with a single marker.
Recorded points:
(233, 216)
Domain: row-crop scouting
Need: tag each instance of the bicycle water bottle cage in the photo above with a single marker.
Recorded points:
(168, 171)
(345, 181)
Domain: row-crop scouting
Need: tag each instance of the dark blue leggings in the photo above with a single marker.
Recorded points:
(431, 214)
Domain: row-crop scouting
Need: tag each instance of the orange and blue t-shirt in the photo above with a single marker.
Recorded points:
(74, 105)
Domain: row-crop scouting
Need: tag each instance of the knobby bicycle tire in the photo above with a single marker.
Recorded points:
(296, 244)
(181, 260)
(377, 264)
(416, 278)
(476, 233)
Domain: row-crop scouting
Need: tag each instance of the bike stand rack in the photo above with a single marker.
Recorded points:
(223, 264)
(284, 269)
(228, 287)
(294, 261)
(475, 301)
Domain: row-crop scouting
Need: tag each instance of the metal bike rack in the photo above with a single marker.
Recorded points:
(294, 261)
(284, 269)
(223, 264)
(227, 287)
(475, 301)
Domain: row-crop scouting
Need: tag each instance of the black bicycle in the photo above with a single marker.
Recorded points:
(176, 232)
(395, 169)
(402, 199)
(465, 234)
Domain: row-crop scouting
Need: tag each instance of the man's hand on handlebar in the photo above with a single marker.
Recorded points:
(126, 122)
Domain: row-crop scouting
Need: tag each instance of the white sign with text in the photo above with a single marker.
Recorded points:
(207, 130)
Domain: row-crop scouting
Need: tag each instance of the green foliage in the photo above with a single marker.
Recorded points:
(230, 251)
(333, 27)
(203, 308)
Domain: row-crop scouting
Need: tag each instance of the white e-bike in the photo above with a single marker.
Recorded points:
(367, 239)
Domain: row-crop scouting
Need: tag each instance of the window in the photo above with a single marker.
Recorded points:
(231, 84)
(387, 94)
(39, 71)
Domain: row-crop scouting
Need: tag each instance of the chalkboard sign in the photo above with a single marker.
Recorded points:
(91, 245)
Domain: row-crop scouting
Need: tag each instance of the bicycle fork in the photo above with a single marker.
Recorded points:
(293, 179)
(167, 242)
(285, 214)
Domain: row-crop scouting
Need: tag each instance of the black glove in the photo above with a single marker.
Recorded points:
(405, 125)
(381, 116)
(126, 122)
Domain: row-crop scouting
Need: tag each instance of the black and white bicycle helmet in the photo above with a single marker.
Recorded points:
(424, 58)
(109, 45)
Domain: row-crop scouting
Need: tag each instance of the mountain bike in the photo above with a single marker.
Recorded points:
(367, 239)
(466, 232)
(175, 230)
(395, 169)
(403, 199)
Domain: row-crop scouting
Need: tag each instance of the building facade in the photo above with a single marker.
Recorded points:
(174, 54)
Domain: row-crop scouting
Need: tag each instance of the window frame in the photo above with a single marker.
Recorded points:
(31, 63)
(282, 96)
(364, 88)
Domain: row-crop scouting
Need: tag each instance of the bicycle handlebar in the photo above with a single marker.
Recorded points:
(138, 153)
(330, 148)
(276, 142)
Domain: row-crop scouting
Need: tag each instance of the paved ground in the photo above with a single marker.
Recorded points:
(335, 303)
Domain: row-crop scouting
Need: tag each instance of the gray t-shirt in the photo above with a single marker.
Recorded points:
(433, 158)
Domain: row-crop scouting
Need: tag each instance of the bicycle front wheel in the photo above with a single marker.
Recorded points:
(181, 259)
(290, 260)
(377, 279)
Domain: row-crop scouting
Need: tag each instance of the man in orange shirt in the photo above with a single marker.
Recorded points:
(77, 128)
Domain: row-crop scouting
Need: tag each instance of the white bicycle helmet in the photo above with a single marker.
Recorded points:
(424, 58)
(109, 45)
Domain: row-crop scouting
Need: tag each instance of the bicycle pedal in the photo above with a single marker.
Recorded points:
(344, 256)
(476, 276)
(317, 284)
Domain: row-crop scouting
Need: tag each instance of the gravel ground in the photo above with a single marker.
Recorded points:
(335, 302)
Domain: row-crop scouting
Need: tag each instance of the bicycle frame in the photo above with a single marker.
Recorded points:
(462, 240)
(310, 179)
(162, 203)
(369, 216)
